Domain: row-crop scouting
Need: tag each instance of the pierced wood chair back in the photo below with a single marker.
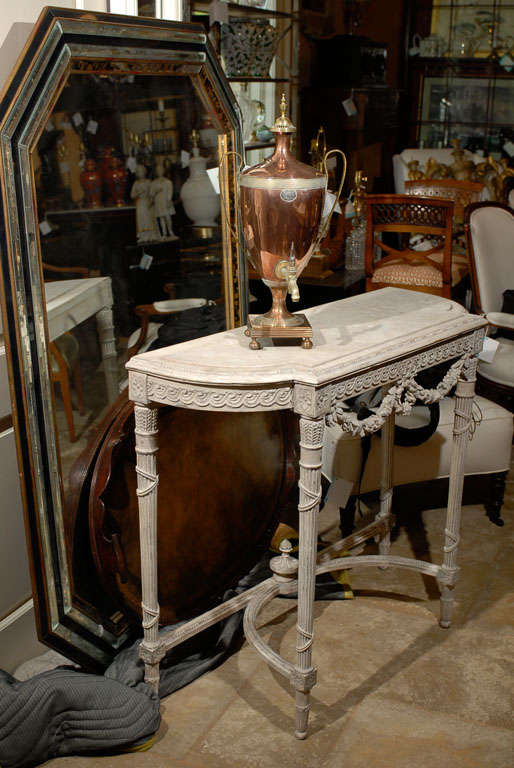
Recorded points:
(463, 193)
(425, 270)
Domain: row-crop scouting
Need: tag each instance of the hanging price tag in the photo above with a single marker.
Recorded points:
(329, 202)
(92, 126)
(77, 119)
(146, 261)
(214, 177)
(131, 164)
(488, 350)
(184, 158)
(44, 227)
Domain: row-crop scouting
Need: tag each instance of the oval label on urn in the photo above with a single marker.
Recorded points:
(288, 195)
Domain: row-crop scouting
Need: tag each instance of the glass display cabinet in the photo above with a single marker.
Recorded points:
(461, 74)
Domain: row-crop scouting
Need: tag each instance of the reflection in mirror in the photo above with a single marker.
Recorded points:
(130, 238)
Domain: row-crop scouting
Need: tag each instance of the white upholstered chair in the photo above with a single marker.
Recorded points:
(490, 239)
(401, 171)
(488, 454)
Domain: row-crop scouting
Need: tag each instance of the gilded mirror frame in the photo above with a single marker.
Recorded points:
(65, 42)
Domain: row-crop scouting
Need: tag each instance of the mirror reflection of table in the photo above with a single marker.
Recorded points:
(70, 302)
(378, 339)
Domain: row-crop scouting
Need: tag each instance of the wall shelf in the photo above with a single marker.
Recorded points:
(201, 7)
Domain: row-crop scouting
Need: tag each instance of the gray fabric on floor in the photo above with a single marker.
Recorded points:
(210, 648)
(64, 712)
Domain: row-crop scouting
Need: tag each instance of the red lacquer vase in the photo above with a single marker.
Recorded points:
(91, 182)
(115, 179)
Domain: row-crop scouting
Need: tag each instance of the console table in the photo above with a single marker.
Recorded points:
(383, 338)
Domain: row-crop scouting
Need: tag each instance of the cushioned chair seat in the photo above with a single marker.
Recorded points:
(488, 452)
(400, 273)
(501, 369)
(408, 274)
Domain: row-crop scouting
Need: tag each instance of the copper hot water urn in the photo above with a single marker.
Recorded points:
(282, 202)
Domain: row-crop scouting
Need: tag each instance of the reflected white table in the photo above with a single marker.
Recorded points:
(378, 339)
(70, 302)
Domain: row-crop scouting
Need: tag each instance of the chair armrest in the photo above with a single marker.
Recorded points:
(500, 320)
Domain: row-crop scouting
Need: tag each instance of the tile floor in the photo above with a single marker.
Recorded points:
(394, 690)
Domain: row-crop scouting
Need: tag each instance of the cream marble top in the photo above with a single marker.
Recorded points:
(350, 336)
(69, 302)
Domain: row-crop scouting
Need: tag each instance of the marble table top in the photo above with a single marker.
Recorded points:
(350, 336)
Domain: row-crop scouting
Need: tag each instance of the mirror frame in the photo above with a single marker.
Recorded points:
(65, 41)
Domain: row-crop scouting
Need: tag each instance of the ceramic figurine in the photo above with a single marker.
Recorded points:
(462, 168)
(91, 182)
(140, 192)
(415, 172)
(201, 203)
(161, 193)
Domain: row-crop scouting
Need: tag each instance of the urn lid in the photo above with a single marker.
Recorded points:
(283, 124)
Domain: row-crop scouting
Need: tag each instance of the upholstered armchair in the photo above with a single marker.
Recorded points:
(490, 239)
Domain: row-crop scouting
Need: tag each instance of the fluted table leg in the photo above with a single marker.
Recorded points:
(105, 325)
(311, 444)
(147, 482)
(461, 433)
(386, 485)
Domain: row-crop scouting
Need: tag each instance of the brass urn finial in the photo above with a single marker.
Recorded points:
(283, 124)
(195, 136)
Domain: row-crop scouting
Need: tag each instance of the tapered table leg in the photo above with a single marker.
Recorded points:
(461, 433)
(386, 484)
(311, 444)
(147, 482)
(105, 325)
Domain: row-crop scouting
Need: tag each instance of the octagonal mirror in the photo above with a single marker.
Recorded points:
(112, 237)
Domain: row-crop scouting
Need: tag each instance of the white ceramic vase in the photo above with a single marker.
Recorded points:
(201, 203)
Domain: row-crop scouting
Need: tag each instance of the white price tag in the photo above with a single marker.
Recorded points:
(331, 163)
(146, 261)
(488, 350)
(349, 210)
(44, 227)
(92, 126)
(131, 164)
(329, 202)
(214, 176)
(77, 119)
(49, 126)
(349, 107)
(508, 147)
(184, 158)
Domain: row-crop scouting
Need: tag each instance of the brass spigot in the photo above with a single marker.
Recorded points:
(287, 270)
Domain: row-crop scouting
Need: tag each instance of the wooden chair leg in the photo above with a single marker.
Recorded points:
(66, 399)
(77, 383)
(494, 505)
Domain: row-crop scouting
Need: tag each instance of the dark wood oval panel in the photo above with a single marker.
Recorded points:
(223, 480)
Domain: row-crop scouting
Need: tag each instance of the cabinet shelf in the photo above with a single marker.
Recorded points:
(201, 7)
(259, 79)
(259, 145)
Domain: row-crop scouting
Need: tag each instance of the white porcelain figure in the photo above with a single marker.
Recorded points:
(201, 203)
(145, 222)
(161, 192)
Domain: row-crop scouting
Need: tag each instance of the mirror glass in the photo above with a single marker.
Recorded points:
(130, 236)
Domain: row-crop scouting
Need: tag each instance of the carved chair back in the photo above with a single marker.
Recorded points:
(409, 268)
(463, 193)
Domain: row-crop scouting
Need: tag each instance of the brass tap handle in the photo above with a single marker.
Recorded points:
(287, 270)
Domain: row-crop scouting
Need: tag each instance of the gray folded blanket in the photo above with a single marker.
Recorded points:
(65, 712)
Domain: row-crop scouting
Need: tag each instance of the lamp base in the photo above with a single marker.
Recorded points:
(302, 329)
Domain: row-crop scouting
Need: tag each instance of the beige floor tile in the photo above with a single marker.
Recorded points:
(389, 734)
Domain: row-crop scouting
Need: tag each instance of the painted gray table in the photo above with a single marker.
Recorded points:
(383, 338)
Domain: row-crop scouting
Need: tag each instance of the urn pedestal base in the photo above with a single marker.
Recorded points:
(257, 330)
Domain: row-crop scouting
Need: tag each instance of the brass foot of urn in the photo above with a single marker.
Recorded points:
(282, 204)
